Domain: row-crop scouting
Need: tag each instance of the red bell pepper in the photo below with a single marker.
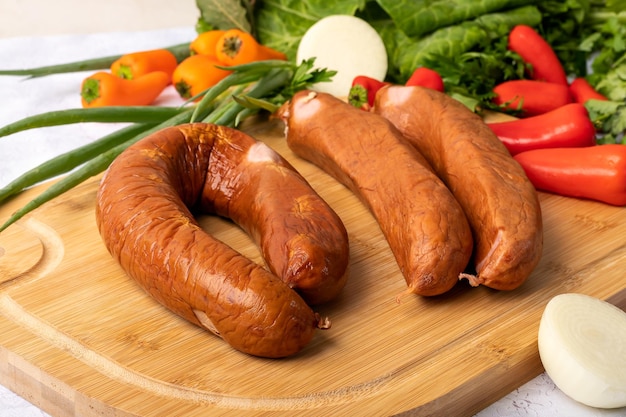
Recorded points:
(363, 91)
(566, 127)
(531, 97)
(581, 91)
(596, 172)
(534, 50)
(426, 77)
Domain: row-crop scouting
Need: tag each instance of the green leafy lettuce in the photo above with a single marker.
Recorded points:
(417, 18)
(224, 14)
(408, 53)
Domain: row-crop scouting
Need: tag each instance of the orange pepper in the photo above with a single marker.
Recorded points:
(140, 63)
(195, 74)
(236, 47)
(105, 89)
(206, 43)
(268, 53)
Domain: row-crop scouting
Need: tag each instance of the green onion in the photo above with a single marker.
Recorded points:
(229, 114)
(91, 168)
(70, 160)
(111, 114)
(180, 51)
(242, 74)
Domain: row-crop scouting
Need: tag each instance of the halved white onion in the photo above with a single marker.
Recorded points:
(582, 345)
(346, 44)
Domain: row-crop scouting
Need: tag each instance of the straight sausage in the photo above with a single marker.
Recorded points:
(426, 228)
(144, 214)
(500, 202)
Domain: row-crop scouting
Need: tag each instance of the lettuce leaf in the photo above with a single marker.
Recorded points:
(409, 53)
(282, 23)
(224, 14)
(418, 17)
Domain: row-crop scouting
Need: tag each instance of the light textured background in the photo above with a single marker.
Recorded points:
(46, 17)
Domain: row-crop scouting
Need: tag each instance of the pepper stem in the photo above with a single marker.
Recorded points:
(358, 96)
(90, 90)
(124, 71)
(232, 45)
(183, 89)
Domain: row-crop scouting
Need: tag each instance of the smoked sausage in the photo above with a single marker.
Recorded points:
(301, 238)
(144, 214)
(500, 202)
(426, 228)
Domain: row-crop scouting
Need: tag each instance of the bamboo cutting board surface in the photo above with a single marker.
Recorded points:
(80, 338)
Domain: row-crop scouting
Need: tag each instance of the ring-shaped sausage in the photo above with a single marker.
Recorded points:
(144, 214)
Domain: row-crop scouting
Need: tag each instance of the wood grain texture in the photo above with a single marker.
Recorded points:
(80, 338)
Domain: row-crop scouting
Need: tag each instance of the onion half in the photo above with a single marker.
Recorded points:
(582, 345)
(348, 45)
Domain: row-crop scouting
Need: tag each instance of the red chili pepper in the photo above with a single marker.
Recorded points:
(581, 91)
(426, 77)
(534, 49)
(531, 97)
(566, 127)
(596, 172)
(363, 91)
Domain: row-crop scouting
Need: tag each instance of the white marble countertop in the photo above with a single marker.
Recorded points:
(36, 32)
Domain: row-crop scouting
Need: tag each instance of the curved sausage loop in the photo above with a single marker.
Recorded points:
(144, 215)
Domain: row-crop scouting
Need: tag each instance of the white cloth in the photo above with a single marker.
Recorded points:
(20, 97)
(19, 152)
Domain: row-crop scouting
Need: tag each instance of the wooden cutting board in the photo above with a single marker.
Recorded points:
(80, 338)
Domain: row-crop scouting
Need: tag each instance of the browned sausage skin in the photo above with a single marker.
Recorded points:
(424, 225)
(144, 216)
(302, 239)
(500, 202)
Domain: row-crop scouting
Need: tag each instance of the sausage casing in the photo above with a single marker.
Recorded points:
(500, 202)
(301, 238)
(426, 228)
(144, 214)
